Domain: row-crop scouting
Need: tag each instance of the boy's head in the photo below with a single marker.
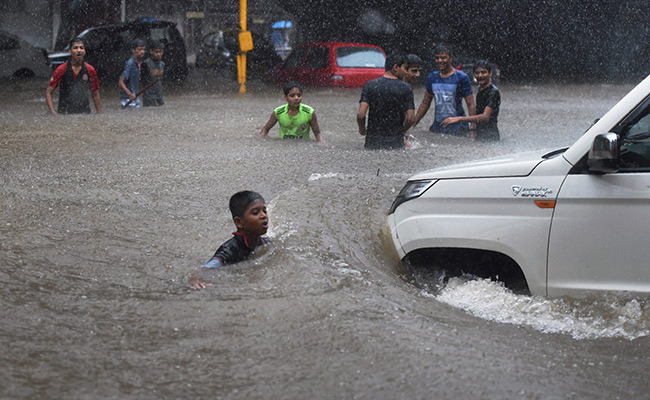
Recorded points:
(292, 93)
(156, 50)
(413, 68)
(483, 64)
(291, 85)
(138, 48)
(77, 49)
(248, 211)
(396, 64)
(483, 73)
(443, 57)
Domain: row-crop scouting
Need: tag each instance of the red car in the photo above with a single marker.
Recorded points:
(331, 64)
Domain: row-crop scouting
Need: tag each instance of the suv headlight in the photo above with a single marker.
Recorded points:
(411, 190)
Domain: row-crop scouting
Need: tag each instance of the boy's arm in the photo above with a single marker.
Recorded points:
(269, 124)
(194, 280)
(471, 110)
(122, 85)
(196, 274)
(48, 99)
(409, 121)
(314, 127)
(98, 101)
(424, 107)
(361, 117)
(472, 118)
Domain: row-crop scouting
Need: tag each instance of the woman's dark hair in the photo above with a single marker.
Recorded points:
(239, 202)
(291, 85)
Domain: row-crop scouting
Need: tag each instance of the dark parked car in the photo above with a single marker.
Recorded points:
(338, 64)
(20, 59)
(109, 46)
(219, 50)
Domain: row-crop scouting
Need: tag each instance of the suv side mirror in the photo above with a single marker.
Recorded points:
(603, 156)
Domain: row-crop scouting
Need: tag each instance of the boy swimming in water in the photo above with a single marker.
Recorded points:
(249, 215)
(295, 118)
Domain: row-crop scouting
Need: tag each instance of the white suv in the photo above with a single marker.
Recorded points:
(569, 222)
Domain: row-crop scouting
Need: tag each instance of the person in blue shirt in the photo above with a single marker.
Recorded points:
(447, 87)
(130, 79)
(249, 214)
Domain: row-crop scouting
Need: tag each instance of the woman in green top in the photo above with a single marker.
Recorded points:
(295, 118)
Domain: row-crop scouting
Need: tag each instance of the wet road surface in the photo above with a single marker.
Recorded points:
(104, 216)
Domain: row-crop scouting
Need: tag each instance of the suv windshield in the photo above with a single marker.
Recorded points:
(360, 57)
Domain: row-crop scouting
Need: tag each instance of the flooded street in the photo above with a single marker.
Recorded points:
(103, 217)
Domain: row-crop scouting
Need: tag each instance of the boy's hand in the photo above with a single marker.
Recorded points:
(199, 285)
(450, 120)
(196, 284)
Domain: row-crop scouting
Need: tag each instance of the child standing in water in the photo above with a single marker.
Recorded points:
(249, 214)
(488, 101)
(295, 118)
(155, 69)
(130, 79)
(77, 79)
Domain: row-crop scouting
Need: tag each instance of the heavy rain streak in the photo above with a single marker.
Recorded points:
(104, 216)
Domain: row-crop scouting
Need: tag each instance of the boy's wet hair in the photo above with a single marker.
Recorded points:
(394, 58)
(157, 44)
(412, 60)
(138, 43)
(76, 40)
(240, 201)
(291, 85)
(483, 63)
(442, 48)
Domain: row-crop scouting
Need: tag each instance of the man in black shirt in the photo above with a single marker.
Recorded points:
(391, 105)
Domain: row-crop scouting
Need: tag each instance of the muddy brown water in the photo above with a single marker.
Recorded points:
(104, 216)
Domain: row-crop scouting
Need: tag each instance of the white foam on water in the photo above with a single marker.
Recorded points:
(602, 317)
(317, 176)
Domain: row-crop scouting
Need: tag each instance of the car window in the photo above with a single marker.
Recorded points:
(360, 57)
(160, 34)
(635, 140)
(8, 43)
(99, 39)
(295, 59)
(317, 58)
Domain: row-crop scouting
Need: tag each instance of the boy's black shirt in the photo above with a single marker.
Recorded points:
(236, 249)
(488, 97)
(388, 99)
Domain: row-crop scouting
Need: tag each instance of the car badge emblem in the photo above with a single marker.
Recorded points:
(515, 190)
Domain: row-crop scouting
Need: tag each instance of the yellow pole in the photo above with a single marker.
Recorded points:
(241, 56)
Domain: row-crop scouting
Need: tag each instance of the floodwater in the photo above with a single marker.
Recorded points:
(102, 218)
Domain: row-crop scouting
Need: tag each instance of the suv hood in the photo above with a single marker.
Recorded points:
(508, 166)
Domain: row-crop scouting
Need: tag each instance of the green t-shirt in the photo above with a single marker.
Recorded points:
(296, 127)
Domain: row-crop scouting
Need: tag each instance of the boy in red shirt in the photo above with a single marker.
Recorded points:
(77, 80)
